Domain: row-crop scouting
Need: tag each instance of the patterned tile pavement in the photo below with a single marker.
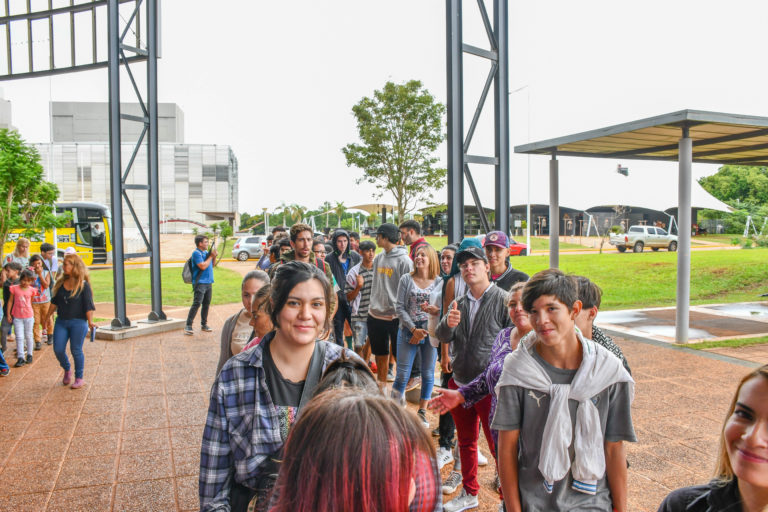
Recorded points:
(129, 440)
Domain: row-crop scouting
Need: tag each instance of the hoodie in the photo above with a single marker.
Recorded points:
(334, 261)
(388, 267)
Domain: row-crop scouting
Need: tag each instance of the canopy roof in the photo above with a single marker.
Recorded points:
(718, 138)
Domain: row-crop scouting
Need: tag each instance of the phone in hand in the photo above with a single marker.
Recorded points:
(93, 333)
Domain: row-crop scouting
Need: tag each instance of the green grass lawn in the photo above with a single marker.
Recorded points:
(539, 244)
(720, 239)
(734, 343)
(175, 292)
(648, 279)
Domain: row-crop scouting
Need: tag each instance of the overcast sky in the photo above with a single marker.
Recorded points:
(277, 80)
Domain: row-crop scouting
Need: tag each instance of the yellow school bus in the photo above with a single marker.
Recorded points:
(89, 233)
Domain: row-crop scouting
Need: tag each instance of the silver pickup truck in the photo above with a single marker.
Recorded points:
(639, 237)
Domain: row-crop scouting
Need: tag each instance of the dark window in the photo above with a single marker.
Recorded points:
(651, 231)
(196, 190)
(660, 231)
(252, 240)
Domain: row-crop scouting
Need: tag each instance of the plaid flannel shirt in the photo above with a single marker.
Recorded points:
(242, 428)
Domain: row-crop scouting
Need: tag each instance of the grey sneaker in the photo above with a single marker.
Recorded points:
(413, 383)
(461, 502)
(452, 483)
(444, 456)
(390, 375)
(188, 331)
(206, 328)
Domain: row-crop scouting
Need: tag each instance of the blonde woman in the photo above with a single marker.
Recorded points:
(413, 309)
(73, 300)
(21, 253)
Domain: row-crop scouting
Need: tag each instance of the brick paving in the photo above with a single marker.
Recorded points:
(130, 439)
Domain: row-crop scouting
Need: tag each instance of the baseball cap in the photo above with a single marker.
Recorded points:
(389, 231)
(497, 238)
(470, 252)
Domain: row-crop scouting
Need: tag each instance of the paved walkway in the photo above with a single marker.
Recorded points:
(130, 439)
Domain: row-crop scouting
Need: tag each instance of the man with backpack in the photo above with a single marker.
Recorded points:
(202, 262)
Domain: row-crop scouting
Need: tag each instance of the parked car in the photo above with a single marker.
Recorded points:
(249, 247)
(515, 248)
(639, 237)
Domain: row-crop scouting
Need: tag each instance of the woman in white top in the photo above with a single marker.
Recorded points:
(413, 310)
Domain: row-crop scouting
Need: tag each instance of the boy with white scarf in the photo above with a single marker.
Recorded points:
(563, 410)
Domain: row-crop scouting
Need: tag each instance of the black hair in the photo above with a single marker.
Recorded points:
(328, 248)
(199, 239)
(270, 238)
(278, 228)
(13, 265)
(34, 258)
(274, 250)
(449, 247)
(27, 274)
(551, 282)
(284, 242)
(45, 247)
(411, 224)
(590, 294)
(355, 235)
(367, 245)
(287, 276)
(347, 372)
(317, 241)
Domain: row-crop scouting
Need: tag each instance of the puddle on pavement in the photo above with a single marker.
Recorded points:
(760, 310)
(619, 317)
(669, 331)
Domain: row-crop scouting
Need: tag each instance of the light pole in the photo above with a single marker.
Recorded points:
(266, 221)
(528, 181)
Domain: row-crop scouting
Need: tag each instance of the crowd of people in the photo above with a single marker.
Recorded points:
(35, 288)
(307, 411)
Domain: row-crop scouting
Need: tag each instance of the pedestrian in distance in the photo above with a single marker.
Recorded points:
(203, 262)
(72, 301)
(42, 298)
(9, 277)
(20, 253)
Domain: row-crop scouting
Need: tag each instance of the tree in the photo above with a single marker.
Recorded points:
(27, 201)
(339, 209)
(399, 129)
(737, 184)
(223, 229)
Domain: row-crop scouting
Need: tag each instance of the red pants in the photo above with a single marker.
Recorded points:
(468, 433)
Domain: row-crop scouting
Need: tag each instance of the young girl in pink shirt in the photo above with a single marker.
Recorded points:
(22, 315)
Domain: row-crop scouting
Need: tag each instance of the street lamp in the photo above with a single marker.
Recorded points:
(528, 202)
(266, 221)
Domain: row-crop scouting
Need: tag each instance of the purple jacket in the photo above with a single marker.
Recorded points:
(486, 382)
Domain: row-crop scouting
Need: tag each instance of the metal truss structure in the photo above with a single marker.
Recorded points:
(459, 156)
(62, 24)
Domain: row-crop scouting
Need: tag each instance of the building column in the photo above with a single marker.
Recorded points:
(554, 212)
(685, 160)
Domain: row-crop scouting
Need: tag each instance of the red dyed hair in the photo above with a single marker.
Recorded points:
(356, 452)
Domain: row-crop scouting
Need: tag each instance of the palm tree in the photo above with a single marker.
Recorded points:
(339, 209)
(297, 212)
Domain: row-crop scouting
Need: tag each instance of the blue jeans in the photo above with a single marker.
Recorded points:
(406, 352)
(74, 331)
(3, 364)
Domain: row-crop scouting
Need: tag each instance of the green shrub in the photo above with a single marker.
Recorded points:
(746, 244)
(735, 241)
(616, 230)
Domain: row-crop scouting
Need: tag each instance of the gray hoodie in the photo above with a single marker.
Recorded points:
(388, 267)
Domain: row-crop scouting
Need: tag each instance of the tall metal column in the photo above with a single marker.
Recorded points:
(554, 212)
(115, 164)
(152, 167)
(501, 115)
(685, 160)
(455, 121)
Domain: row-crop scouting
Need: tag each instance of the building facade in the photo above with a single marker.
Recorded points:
(198, 182)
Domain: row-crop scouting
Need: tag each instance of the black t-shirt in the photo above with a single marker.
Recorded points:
(70, 307)
(286, 394)
(7, 294)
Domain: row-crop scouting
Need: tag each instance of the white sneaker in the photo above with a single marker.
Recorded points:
(482, 460)
(461, 502)
(444, 456)
(501, 507)
(452, 483)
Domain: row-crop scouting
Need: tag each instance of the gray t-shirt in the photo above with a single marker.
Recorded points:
(527, 410)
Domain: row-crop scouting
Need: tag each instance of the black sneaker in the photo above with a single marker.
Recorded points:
(206, 328)
(49, 340)
(20, 363)
(29, 358)
(188, 331)
(4, 371)
(38, 345)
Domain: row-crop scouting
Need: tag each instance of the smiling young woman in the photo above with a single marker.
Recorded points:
(260, 392)
(741, 474)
